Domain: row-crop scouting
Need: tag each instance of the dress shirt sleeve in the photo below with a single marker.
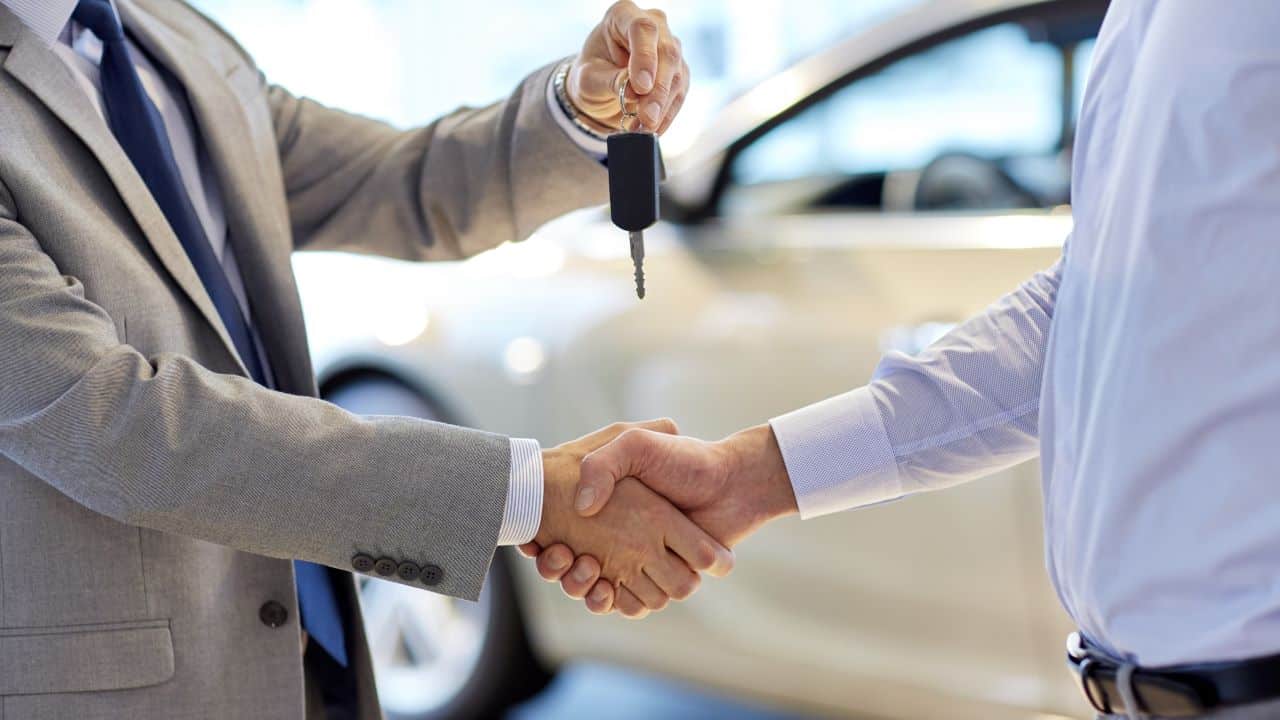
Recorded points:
(523, 512)
(965, 407)
(594, 147)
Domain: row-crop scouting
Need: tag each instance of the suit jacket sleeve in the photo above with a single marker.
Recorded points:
(165, 443)
(463, 184)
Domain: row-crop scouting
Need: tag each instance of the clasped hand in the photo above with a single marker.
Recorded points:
(634, 512)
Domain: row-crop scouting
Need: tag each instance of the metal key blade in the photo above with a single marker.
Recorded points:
(637, 259)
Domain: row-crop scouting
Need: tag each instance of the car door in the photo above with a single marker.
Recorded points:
(874, 220)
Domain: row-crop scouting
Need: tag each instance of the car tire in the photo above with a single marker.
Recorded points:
(491, 665)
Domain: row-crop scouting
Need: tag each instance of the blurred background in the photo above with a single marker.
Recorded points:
(845, 179)
(410, 61)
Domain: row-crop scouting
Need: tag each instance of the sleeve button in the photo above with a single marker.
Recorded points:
(408, 572)
(385, 567)
(432, 574)
(273, 614)
(362, 563)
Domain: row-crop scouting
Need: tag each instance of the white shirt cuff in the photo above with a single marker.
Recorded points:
(522, 514)
(838, 454)
(594, 147)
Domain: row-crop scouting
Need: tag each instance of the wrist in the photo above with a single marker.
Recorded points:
(755, 462)
(554, 497)
(565, 86)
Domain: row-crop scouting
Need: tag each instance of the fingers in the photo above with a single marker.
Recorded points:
(608, 433)
(554, 562)
(679, 90)
(600, 600)
(639, 32)
(648, 592)
(604, 467)
(591, 498)
(654, 58)
(629, 605)
(597, 82)
(530, 550)
(653, 107)
(666, 426)
(581, 577)
(700, 551)
(673, 576)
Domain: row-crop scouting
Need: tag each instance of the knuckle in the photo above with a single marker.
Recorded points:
(645, 24)
(670, 52)
(687, 587)
(589, 467)
(631, 438)
(661, 15)
(704, 556)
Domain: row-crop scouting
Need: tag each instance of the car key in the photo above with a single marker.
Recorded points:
(635, 168)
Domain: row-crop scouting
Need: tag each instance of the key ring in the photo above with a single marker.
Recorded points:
(623, 77)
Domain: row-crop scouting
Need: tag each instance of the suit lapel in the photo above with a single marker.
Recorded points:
(251, 220)
(38, 68)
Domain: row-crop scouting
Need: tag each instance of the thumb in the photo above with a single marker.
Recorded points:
(602, 469)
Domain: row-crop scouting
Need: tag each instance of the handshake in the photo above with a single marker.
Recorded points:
(633, 513)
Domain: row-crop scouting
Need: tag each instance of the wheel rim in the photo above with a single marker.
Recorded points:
(425, 646)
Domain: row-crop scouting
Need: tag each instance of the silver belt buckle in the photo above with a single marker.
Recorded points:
(1075, 647)
(1085, 665)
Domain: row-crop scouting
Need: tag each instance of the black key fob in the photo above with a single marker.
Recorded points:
(635, 169)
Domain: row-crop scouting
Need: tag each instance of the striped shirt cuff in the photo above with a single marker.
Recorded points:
(838, 454)
(523, 512)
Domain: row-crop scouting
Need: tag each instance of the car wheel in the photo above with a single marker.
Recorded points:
(437, 657)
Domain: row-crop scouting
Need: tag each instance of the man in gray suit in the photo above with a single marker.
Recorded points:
(163, 457)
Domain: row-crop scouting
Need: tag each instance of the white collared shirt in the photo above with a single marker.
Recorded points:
(1144, 367)
(81, 51)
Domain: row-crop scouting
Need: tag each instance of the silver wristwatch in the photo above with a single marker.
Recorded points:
(560, 84)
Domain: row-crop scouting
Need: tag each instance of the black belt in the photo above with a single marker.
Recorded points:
(1177, 690)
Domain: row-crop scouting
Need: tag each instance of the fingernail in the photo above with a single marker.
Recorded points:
(557, 561)
(724, 563)
(653, 112)
(582, 573)
(586, 496)
(599, 595)
(644, 80)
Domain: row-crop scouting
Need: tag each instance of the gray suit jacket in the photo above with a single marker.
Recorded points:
(151, 495)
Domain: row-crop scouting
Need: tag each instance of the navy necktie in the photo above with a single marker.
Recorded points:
(139, 127)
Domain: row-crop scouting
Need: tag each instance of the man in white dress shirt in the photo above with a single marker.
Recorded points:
(1143, 368)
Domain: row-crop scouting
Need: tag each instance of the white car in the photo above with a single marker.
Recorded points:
(866, 199)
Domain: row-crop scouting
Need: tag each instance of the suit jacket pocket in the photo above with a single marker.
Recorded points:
(85, 658)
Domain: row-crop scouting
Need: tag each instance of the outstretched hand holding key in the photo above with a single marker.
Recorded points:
(635, 169)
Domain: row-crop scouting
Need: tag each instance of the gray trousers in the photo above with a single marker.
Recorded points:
(1261, 711)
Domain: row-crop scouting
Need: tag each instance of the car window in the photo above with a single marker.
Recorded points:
(1082, 59)
(978, 118)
